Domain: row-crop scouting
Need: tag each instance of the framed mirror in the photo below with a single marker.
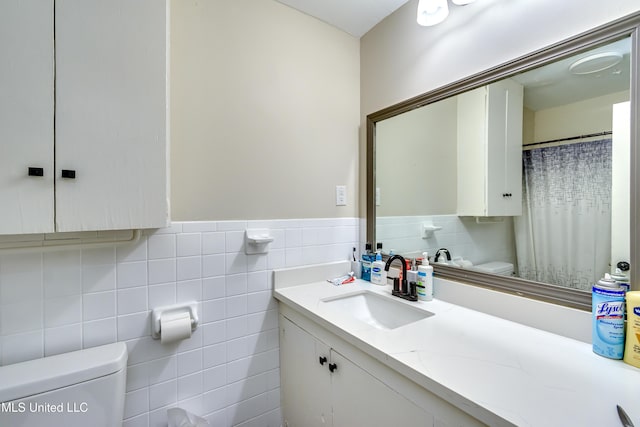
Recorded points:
(525, 173)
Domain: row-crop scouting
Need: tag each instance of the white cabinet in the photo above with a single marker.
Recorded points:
(101, 74)
(490, 150)
(322, 387)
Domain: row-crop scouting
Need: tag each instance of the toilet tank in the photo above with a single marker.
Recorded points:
(77, 389)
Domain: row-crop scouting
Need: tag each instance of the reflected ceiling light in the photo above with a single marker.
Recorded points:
(462, 2)
(432, 12)
(595, 63)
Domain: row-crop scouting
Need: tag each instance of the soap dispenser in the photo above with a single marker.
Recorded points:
(425, 279)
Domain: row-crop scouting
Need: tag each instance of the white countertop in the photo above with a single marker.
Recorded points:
(496, 370)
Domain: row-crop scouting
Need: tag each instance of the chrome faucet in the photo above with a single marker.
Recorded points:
(404, 291)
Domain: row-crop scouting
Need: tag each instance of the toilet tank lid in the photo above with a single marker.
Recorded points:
(25, 379)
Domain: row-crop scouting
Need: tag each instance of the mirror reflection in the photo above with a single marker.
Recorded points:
(528, 176)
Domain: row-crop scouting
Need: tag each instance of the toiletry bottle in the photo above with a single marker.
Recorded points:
(632, 347)
(356, 266)
(412, 272)
(608, 318)
(378, 273)
(425, 279)
(367, 259)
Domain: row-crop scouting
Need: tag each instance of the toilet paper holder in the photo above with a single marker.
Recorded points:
(172, 310)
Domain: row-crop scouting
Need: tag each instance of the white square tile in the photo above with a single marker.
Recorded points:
(22, 281)
(189, 386)
(133, 326)
(235, 263)
(160, 295)
(236, 306)
(162, 270)
(236, 327)
(132, 300)
(163, 394)
(234, 241)
(214, 378)
(98, 256)
(136, 402)
(260, 301)
(189, 290)
(238, 370)
(214, 333)
(237, 348)
(21, 317)
(213, 287)
(293, 237)
(132, 252)
(141, 420)
(137, 376)
(213, 310)
(257, 281)
(62, 273)
(189, 244)
(232, 225)
(22, 347)
(131, 274)
(293, 257)
(213, 243)
(98, 305)
(96, 278)
(278, 238)
(62, 339)
(236, 284)
(213, 265)
(214, 355)
(189, 268)
(62, 311)
(276, 259)
(257, 262)
(99, 332)
(163, 369)
(199, 226)
(215, 400)
(162, 246)
(189, 362)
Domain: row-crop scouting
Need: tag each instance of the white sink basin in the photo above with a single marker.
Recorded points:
(377, 310)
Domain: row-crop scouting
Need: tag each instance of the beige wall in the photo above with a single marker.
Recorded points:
(416, 161)
(265, 112)
(400, 59)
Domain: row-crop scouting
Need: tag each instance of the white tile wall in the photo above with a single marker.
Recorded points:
(464, 238)
(228, 371)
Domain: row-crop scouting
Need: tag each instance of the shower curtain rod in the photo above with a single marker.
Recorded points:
(571, 138)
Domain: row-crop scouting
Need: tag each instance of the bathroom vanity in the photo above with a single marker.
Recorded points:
(355, 355)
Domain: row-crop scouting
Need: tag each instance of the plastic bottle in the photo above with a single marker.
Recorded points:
(608, 318)
(367, 260)
(632, 347)
(378, 273)
(425, 279)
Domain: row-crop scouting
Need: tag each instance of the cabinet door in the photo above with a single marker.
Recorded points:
(305, 382)
(111, 114)
(359, 399)
(504, 155)
(26, 116)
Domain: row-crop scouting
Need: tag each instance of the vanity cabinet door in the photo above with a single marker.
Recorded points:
(111, 114)
(305, 380)
(490, 150)
(360, 399)
(26, 116)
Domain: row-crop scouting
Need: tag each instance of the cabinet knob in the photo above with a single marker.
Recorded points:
(36, 171)
(333, 367)
(68, 173)
(322, 360)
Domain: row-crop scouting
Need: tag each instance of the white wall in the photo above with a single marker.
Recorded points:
(400, 59)
(264, 112)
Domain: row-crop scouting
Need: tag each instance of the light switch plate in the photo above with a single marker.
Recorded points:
(341, 195)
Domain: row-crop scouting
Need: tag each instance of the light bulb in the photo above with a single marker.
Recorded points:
(432, 12)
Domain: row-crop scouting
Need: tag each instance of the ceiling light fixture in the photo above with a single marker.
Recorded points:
(432, 12)
(595, 63)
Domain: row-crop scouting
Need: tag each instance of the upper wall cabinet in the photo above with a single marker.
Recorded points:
(83, 115)
(490, 150)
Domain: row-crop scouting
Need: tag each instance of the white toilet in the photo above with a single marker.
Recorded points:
(78, 389)
(496, 267)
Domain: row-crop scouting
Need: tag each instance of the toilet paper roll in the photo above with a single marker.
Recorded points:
(174, 327)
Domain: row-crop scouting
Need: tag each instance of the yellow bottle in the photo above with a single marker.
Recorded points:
(632, 346)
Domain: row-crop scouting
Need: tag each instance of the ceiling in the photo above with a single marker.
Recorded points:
(355, 17)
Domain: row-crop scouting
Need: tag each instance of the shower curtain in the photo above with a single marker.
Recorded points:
(564, 234)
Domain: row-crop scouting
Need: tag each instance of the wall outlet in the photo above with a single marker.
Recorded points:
(341, 195)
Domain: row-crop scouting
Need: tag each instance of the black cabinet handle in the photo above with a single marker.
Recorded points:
(322, 360)
(67, 173)
(36, 171)
(333, 367)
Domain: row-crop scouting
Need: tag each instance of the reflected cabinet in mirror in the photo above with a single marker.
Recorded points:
(523, 173)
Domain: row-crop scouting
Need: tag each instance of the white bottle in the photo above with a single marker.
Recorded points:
(378, 273)
(425, 279)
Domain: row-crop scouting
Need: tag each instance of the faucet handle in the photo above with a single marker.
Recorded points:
(396, 284)
(412, 289)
